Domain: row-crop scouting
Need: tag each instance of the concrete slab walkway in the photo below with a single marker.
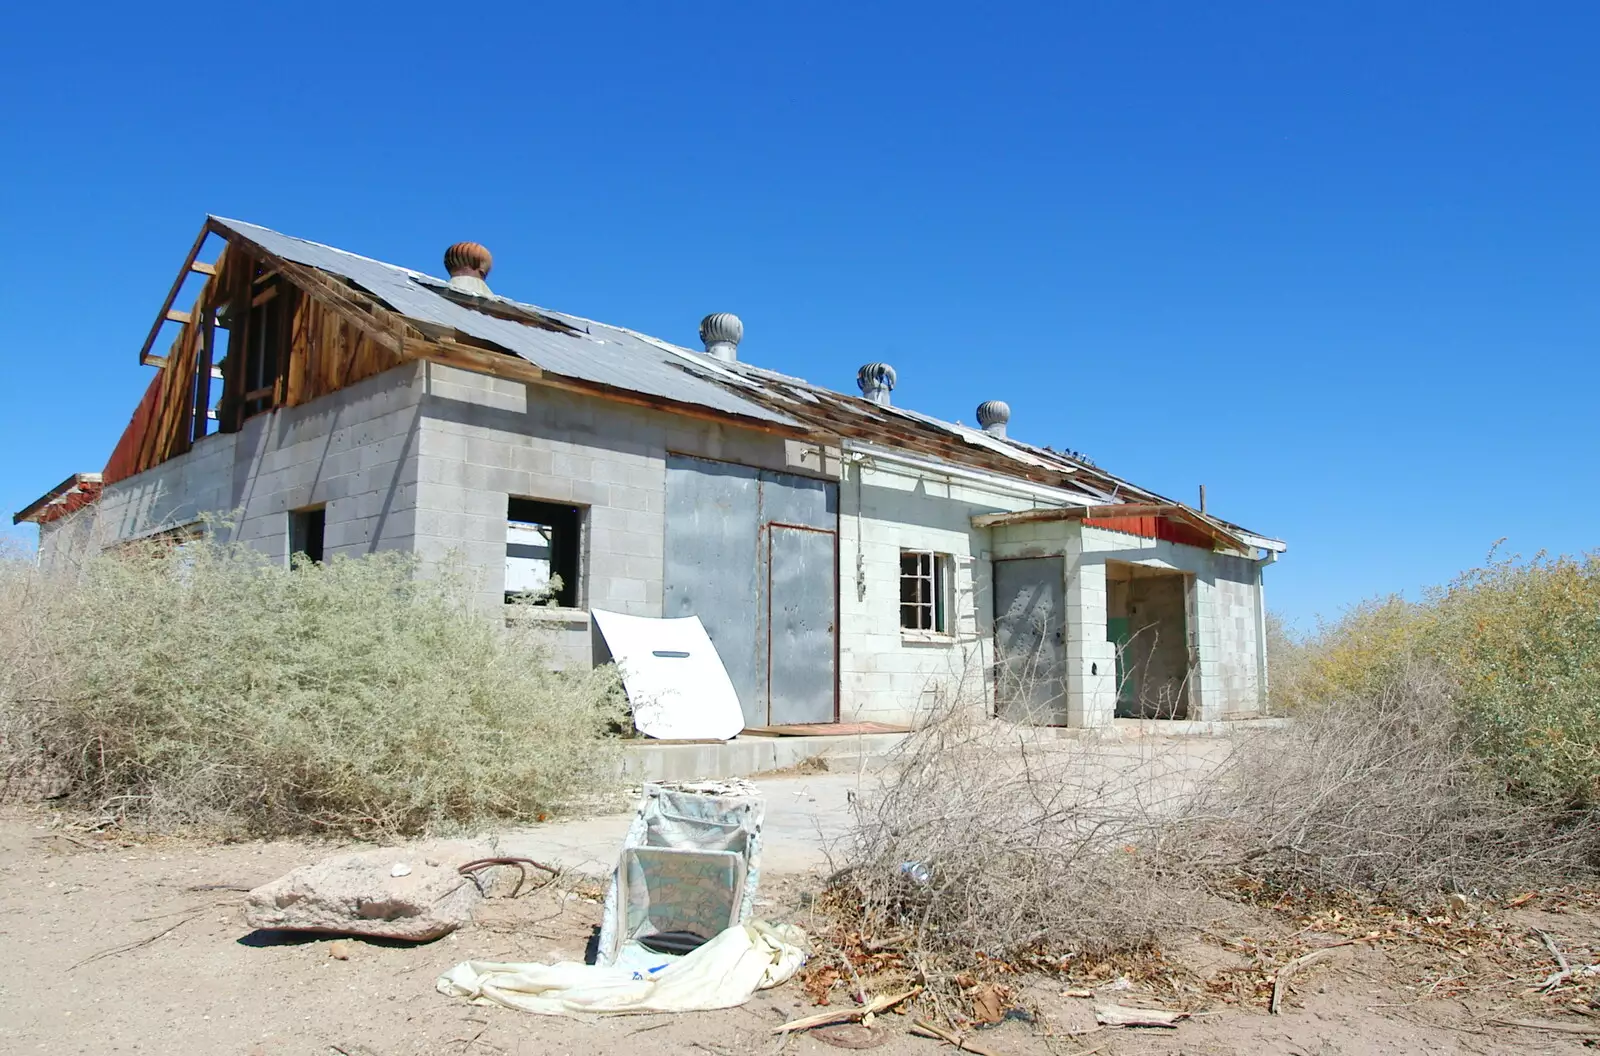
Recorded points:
(805, 817)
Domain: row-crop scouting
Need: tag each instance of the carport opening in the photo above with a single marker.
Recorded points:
(1147, 618)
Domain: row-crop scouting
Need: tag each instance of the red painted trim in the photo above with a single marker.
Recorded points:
(1154, 527)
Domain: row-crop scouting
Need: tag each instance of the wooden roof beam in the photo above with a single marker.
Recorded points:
(172, 295)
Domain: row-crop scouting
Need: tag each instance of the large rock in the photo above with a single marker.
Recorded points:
(411, 893)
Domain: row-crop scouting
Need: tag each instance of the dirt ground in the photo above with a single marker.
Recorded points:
(114, 945)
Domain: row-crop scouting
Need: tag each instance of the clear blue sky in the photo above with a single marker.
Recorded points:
(1340, 262)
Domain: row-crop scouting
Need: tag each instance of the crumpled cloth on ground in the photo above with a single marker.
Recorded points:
(723, 973)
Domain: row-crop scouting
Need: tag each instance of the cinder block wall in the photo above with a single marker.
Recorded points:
(1227, 629)
(1235, 614)
(887, 674)
(484, 439)
(354, 451)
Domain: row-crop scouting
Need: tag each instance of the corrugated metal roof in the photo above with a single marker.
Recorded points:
(604, 355)
(624, 359)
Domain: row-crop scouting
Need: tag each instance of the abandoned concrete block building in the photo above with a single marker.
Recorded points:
(853, 561)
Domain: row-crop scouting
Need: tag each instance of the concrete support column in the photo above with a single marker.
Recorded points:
(1091, 659)
(1206, 691)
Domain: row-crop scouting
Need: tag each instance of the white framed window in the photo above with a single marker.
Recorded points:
(925, 579)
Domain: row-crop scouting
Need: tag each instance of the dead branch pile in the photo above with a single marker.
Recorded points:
(996, 849)
(1384, 795)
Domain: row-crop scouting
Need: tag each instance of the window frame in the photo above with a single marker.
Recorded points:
(925, 611)
(568, 526)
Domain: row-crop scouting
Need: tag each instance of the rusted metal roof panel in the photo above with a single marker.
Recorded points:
(71, 495)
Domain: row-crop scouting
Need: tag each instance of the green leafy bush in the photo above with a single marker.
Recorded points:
(1521, 642)
(206, 684)
(1518, 643)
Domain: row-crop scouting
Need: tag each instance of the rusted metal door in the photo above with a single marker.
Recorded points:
(800, 621)
(735, 557)
(1030, 641)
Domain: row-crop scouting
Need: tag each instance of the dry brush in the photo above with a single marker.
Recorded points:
(205, 684)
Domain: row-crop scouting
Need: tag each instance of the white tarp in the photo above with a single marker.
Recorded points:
(674, 678)
(721, 974)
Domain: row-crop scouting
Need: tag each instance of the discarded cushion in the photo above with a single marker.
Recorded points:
(411, 893)
(721, 974)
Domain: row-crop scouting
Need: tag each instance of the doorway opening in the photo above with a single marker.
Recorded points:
(1147, 618)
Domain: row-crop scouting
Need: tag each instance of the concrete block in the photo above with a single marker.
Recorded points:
(584, 492)
(623, 497)
(645, 524)
(647, 570)
(445, 446)
(574, 467)
(538, 460)
(627, 591)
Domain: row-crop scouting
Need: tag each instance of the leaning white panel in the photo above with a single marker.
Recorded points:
(673, 676)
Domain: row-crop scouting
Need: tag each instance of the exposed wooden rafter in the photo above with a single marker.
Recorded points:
(172, 295)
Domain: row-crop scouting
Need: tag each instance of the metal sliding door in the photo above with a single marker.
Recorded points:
(753, 554)
(1030, 640)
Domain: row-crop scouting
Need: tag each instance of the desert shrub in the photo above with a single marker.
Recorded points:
(26, 770)
(1288, 654)
(1385, 790)
(1521, 642)
(1517, 644)
(206, 684)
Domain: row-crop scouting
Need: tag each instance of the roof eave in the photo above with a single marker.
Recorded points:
(1244, 542)
(34, 509)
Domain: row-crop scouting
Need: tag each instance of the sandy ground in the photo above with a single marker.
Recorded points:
(121, 946)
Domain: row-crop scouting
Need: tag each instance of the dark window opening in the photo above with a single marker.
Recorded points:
(266, 342)
(923, 585)
(306, 528)
(542, 552)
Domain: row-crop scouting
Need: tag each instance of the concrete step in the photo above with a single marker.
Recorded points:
(743, 756)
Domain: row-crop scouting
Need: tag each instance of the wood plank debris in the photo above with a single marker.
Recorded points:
(1554, 1028)
(1280, 984)
(881, 1003)
(924, 1029)
(1124, 1016)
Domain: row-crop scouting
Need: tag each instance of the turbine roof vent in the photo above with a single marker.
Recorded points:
(722, 332)
(877, 381)
(993, 415)
(468, 264)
